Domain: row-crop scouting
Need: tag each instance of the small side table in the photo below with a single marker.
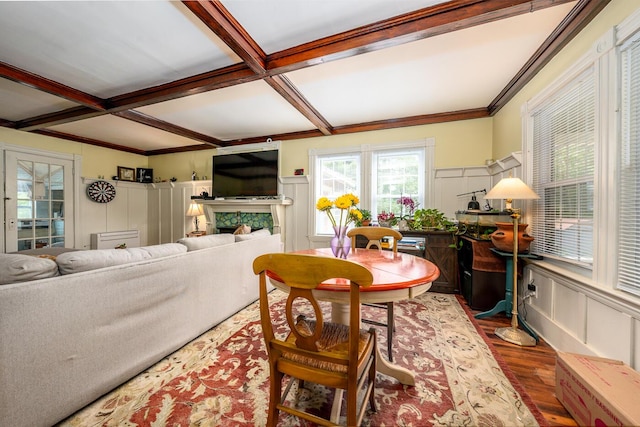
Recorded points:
(506, 305)
(197, 234)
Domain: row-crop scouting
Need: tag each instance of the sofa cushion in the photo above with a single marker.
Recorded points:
(207, 241)
(253, 235)
(16, 268)
(75, 262)
(166, 249)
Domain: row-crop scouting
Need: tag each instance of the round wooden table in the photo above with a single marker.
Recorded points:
(396, 276)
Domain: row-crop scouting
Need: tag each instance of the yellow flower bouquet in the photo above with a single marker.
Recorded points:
(340, 244)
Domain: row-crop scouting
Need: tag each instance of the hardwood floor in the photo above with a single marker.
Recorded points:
(534, 367)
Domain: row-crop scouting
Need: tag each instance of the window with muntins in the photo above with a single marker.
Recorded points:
(336, 174)
(378, 174)
(396, 173)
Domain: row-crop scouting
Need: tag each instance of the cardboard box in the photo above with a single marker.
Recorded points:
(598, 391)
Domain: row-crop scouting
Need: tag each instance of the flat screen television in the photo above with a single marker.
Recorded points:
(253, 174)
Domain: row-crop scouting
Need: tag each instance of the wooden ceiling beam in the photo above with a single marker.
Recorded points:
(218, 19)
(426, 119)
(54, 88)
(7, 124)
(288, 91)
(428, 22)
(205, 82)
(144, 119)
(90, 141)
(58, 118)
(578, 18)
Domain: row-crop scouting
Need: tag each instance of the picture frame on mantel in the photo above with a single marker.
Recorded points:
(126, 174)
(144, 175)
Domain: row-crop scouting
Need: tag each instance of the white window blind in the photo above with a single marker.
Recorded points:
(564, 134)
(629, 169)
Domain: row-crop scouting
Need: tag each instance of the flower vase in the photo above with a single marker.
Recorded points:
(340, 243)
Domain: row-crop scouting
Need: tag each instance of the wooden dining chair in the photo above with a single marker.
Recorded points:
(374, 237)
(331, 354)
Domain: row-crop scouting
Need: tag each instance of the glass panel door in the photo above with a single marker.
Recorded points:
(39, 199)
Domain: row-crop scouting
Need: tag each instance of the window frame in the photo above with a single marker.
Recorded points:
(605, 57)
(366, 154)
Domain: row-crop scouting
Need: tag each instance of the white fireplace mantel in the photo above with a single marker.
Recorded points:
(276, 207)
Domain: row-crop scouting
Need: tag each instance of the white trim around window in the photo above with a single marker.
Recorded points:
(365, 153)
(605, 60)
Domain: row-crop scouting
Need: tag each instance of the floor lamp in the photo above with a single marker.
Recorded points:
(195, 210)
(510, 189)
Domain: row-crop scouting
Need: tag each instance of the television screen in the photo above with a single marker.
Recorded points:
(253, 174)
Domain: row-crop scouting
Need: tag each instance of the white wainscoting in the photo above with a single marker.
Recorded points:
(574, 316)
(168, 204)
(127, 211)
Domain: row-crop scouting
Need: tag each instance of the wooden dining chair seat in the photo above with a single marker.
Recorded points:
(374, 236)
(334, 338)
(311, 349)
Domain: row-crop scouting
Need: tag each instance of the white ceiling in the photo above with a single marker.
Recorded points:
(152, 77)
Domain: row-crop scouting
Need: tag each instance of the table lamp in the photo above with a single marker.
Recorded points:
(510, 189)
(195, 210)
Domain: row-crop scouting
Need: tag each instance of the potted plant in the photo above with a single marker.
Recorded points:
(365, 221)
(387, 219)
(434, 220)
(430, 219)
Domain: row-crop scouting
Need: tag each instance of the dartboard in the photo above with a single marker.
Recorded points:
(101, 191)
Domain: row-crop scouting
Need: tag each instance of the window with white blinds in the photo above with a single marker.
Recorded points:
(563, 143)
(629, 169)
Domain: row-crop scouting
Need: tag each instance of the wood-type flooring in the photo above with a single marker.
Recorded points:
(533, 366)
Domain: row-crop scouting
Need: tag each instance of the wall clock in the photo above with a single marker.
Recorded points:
(101, 191)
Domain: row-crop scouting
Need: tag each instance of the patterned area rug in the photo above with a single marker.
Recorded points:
(221, 378)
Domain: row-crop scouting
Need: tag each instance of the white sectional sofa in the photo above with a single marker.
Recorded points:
(106, 315)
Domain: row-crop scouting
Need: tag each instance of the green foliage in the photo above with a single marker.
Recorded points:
(431, 219)
(366, 216)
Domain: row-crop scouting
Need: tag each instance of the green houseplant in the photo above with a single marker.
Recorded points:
(430, 219)
(366, 218)
(434, 220)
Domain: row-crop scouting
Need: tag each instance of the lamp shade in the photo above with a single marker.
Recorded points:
(195, 209)
(511, 188)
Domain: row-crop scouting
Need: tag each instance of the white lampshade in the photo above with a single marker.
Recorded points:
(195, 209)
(511, 188)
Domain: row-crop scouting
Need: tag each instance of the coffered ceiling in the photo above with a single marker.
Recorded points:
(153, 77)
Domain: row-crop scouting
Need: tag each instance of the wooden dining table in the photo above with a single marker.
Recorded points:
(396, 276)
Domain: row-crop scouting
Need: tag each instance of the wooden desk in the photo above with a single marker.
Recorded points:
(396, 276)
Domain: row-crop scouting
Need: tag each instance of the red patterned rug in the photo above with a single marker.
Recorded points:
(221, 378)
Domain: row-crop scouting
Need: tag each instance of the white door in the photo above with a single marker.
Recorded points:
(38, 201)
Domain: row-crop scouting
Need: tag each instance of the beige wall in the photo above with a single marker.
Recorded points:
(181, 165)
(463, 143)
(507, 124)
(95, 160)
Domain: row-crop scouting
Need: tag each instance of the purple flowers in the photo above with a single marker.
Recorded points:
(408, 204)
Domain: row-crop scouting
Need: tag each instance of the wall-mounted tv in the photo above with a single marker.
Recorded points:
(253, 174)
